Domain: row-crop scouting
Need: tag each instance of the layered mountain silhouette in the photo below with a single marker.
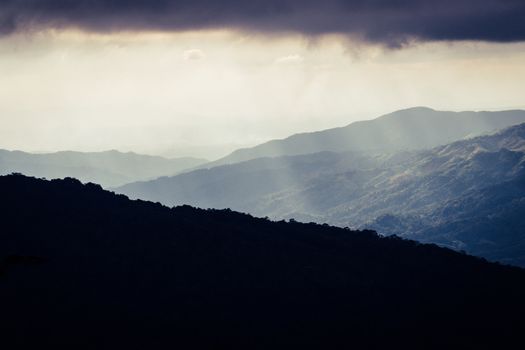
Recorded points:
(110, 168)
(421, 194)
(83, 267)
(408, 129)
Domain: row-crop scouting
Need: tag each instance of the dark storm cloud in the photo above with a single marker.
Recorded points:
(387, 21)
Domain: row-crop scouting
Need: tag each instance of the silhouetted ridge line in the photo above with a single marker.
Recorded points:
(407, 129)
(132, 274)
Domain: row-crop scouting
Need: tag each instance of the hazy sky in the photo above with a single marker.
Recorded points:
(150, 82)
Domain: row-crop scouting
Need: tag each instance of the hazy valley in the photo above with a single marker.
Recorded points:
(416, 173)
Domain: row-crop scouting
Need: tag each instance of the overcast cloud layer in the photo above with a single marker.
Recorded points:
(391, 22)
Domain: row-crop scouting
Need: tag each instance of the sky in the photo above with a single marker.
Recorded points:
(202, 78)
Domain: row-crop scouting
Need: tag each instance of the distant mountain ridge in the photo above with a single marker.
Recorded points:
(486, 222)
(109, 168)
(408, 129)
(482, 212)
(367, 190)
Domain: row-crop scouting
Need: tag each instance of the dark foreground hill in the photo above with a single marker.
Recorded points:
(87, 268)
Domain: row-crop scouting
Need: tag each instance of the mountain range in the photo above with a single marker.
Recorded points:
(408, 129)
(85, 268)
(418, 173)
(425, 194)
(110, 168)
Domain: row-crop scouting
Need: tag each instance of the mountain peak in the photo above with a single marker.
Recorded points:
(415, 109)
